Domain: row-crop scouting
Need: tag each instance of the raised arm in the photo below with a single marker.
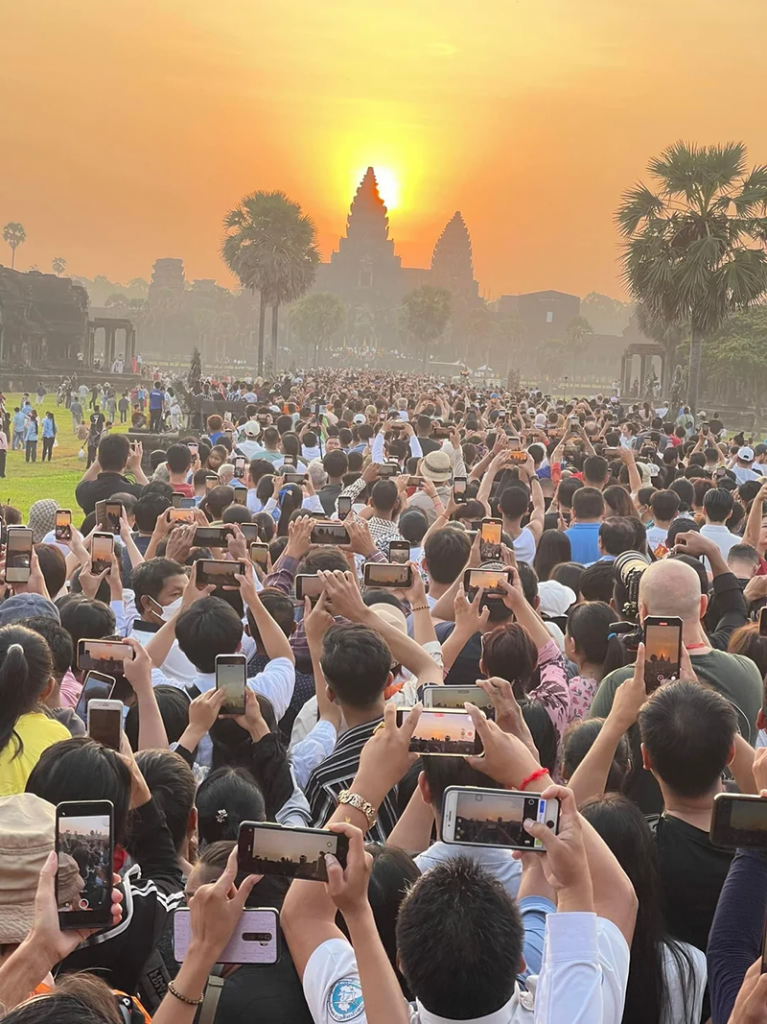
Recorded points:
(274, 640)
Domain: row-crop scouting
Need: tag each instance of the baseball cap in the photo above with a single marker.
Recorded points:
(359, 418)
(555, 598)
(27, 606)
(251, 429)
(746, 454)
(437, 467)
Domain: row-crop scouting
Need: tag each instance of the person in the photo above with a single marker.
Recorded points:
(744, 466)
(513, 505)
(179, 459)
(3, 451)
(76, 410)
(49, 435)
(553, 550)
(717, 508)
(123, 406)
(19, 425)
(336, 465)
(105, 476)
(665, 508)
(31, 434)
(588, 512)
(156, 409)
(586, 642)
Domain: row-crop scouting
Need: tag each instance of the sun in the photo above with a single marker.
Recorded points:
(388, 186)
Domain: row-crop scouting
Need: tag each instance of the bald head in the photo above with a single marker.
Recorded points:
(670, 587)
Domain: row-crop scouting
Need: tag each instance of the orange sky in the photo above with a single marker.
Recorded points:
(129, 127)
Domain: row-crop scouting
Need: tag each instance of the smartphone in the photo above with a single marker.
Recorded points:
(187, 503)
(104, 718)
(232, 676)
(259, 554)
(241, 496)
(329, 533)
(194, 449)
(388, 574)
(516, 454)
(612, 453)
(181, 515)
(489, 579)
(739, 820)
(295, 478)
(102, 549)
(763, 621)
(18, 554)
(454, 697)
(309, 585)
(113, 513)
(107, 656)
(213, 536)
(97, 686)
(415, 481)
(249, 531)
(460, 483)
(494, 817)
(344, 505)
(387, 469)
(255, 939)
(63, 527)
(85, 849)
(239, 467)
(176, 498)
(399, 551)
(662, 650)
(267, 849)
(490, 540)
(443, 732)
(211, 481)
(289, 460)
(220, 573)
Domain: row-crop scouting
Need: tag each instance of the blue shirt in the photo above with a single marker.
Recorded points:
(49, 429)
(156, 399)
(31, 431)
(19, 421)
(583, 542)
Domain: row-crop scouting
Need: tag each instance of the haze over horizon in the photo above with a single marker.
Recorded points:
(129, 129)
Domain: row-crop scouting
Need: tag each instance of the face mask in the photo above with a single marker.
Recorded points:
(169, 610)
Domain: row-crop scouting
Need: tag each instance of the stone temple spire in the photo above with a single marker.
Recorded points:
(367, 226)
(451, 263)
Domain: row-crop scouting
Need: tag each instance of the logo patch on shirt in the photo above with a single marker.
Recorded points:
(345, 1001)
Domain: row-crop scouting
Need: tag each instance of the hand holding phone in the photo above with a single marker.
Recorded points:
(85, 848)
(232, 676)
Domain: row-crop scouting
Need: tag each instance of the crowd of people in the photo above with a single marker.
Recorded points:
(591, 516)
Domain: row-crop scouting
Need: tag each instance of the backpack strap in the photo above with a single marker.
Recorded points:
(213, 992)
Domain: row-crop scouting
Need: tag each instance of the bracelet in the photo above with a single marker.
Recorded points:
(419, 608)
(346, 796)
(184, 999)
(537, 774)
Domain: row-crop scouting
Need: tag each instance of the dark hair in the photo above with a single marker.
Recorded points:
(77, 999)
(53, 566)
(259, 468)
(412, 525)
(148, 510)
(215, 501)
(392, 874)
(209, 627)
(566, 491)
(688, 731)
(237, 513)
(624, 829)
(384, 495)
(589, 626)
(172, 784)
(81, 769)
(84, 619)
(113, 452)
(266, 526)
(173, 704)
(58, 640)
(597, 582)
(179, 458)
(553, 549)
(149, 578)
(441, 772)
(569, 575)
(618, 534)
(665, 505)
(509, 652)
(717, 504)
(578, 739)
(291, 500)
(744, 553)
(446, 553)
(588, 503)
(749, 642)
(460, 938)
(514, 500)
(543, 732)
(595, 470)
(335, 463)
(323, 557)
(26, 668)
(618, 501)
(356, 663)
(680, 525)
(281, 609)
(226, 798)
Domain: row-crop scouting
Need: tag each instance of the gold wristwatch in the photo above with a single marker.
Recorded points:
(359, 803)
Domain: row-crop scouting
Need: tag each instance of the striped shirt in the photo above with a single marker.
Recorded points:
(337, 772)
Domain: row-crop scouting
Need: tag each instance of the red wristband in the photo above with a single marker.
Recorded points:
(531, 778)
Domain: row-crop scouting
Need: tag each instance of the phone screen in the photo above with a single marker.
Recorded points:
(211, 482)
(443, 732)
(329, 533)
(85, 848)
(387, 574)
(490, 540)
(18, 555)
(97, 686)
(662, 653)
(344, 505)
(219, 573)
(292, 852)
(104, 723)
(231, 676)
(459, 488)
(763, 621)
(239, 467)
(495, 817)
(213, 536)
(63, 527)
(177, 514)
(259, 553)
(310, 586)
(106, 656)
(113, 511)
(487, 579)
(455, 697)
(102, 547)
(399, 551)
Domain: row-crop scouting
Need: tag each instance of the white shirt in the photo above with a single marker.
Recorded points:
(583, 978)
(493, 859)
(524, 546)
(722, 537)
(744, 473)
(656, 538)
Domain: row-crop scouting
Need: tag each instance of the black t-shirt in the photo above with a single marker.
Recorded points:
(428, 446)
(88, 492)
(328, 495)
(692, 872)
(270, 994)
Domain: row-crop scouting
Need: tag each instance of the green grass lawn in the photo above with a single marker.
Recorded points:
(25, 483)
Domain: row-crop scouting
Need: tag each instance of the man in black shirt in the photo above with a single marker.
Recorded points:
(427, 443)
(335, 464)
(105, 476)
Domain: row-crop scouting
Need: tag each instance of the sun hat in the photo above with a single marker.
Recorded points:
(437, 467)
(27, 837)
(42, 518)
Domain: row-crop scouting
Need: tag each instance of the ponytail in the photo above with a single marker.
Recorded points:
(26, 667)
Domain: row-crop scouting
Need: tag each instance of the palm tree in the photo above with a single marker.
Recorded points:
(426, 315)
(316, 318)
(687, 255)
(58, 264)
(576, 333)
(271, 247)
(14, 234)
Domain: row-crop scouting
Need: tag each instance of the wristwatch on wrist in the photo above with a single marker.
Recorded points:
(359, 803)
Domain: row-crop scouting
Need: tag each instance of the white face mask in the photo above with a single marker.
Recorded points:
(169, 610)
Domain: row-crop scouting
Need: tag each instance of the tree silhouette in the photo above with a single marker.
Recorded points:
(426, 315)
(316, 318)
(58, 264)
(15, 235)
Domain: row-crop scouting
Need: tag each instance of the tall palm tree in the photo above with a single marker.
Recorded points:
(14, 234)
(271, 246)
(576, 335)
(316, 318)
(58, 265)
(694, 247)
(426, 315)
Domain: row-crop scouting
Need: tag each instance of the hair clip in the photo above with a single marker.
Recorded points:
(222, 815)
(15, 647)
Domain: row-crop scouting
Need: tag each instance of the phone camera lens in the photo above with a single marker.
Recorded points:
(549, 824)
(478, 799)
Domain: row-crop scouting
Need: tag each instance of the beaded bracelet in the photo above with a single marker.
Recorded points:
(182, 998)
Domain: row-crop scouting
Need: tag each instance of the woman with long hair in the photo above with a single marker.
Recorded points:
(31, 434)
(49, 435)
(553, 550)
(667, 978)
